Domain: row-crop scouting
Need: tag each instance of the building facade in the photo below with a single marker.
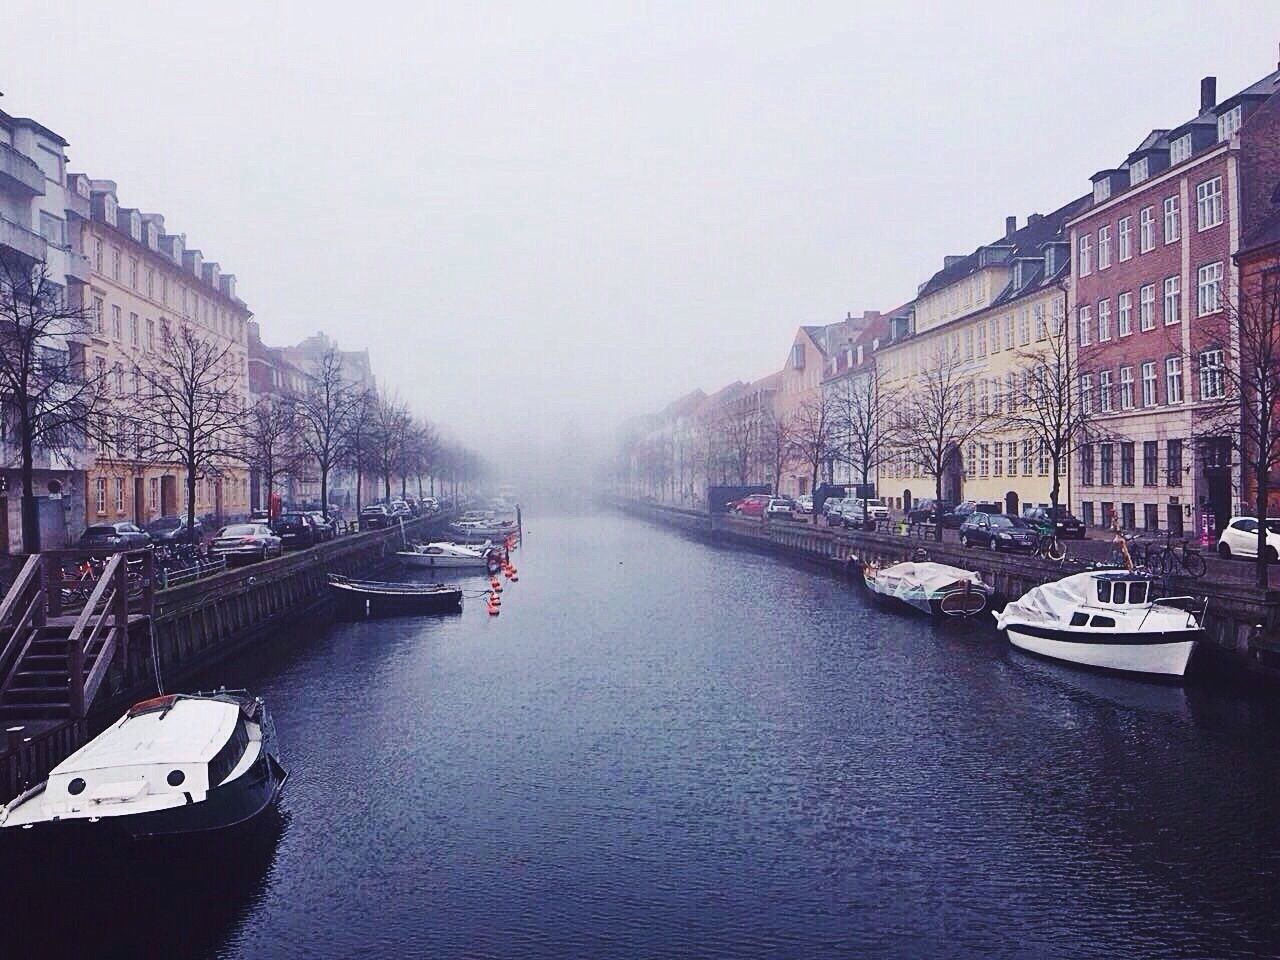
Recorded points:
(143, 282)
(1151, 294)
(40, 218)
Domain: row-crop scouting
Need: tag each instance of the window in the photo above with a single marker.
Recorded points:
(1086, 464)
(100, 494)
(1211, 375)
(1101, 190)
(1150, 519)
(1104, 391)
(993, 326)
(797, 351)
(1126, 467)
(1172, 300)
(1124, 239)
(1149, 389)
(154, 493)
(997, 462)
(1057, 316)
(1106, 465)
(1086, 323)
(1024, 328)
(1174, 463)
(119, 486)
(1137, 171)
(1042, 459)
(1128, 521)
(1026, 458)
(1086, 393)
(1011, 393)
(1104, 321)
(984, 459)
(982, 339)
(1180, 149)
(1147, 230)
(1008, 331)
(133, 272)
(133, 329)
(1042, 327)
(1104, 247)
(1172, 226)
(1208, 288)
(1209, 204)
(1126, 388)
(968, 343)
(1150, 465)
(118, 370)
(1086, 512)
(99, 315)
(1147, 306)
(151, 334)
(1012, 448)
(151, 284)
(115, 264)
(1085, 248)
(1173, 380)
(97, 254)
(1229, 123)
(1124, 311)
(117, 324)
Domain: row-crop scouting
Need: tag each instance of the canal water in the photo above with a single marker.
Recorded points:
(663, 748)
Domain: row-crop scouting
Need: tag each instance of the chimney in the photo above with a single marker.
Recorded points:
(1010, 226)
(1208, 93)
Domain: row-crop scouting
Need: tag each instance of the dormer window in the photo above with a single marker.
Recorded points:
(1101, 190)
(135, 226)
(797, 357)
(1050, 268)
(1180, 149)
(1138, 171)
(109, 209)
(152, 235)
(1229, 123)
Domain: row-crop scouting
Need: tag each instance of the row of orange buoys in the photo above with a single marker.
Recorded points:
(494, 602)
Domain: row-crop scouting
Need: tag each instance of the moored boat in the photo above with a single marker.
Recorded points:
(357, 599)
(449, 554)
(933, 588)
(174, 764)
(1106, 618)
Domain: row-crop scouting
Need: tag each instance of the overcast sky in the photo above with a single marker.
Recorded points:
(590, 209)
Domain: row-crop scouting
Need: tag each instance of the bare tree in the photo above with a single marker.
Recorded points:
(864, 424)
(938, 417)
(735, 431)
(1240, 392)
(192, 414)
(775, 449)
(271, 435)
(813, 434)
(422, 450)
(322, 414)
(51, 398)
(356, 452)
(390, 431)
(1046, 405)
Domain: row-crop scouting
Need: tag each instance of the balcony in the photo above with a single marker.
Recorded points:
(22, 240)
(77, 267)
(77, 204)
(19, 172)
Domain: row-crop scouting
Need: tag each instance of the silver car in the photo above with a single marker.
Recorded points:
(246, 541)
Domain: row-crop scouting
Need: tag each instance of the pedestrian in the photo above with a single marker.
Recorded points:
(1120, 546)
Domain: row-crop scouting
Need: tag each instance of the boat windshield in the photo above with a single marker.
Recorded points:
(225, 760)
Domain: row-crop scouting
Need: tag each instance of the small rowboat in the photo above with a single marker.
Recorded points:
(357, 599)
(933, 588)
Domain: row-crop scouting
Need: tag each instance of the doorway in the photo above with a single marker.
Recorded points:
(139, 503)
(168, 495)
(1011, 503)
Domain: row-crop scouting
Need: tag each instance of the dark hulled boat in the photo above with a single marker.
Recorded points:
(357, 599)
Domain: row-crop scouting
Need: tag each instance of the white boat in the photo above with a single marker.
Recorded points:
(449, 554)
(181, 763)
(1106, 618)
(934, 588)
(483, 525)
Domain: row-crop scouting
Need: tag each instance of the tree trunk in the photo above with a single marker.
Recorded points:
(386, 484)
(324, 490)
(359, 489)
(30, 508)
(191, 498)
(1260, 511)
(937, 504)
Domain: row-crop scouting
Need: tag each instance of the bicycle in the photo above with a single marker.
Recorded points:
(1050, 547)
(1178, 558)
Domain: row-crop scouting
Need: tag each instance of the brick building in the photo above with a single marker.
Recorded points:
(1259, 265)
(1153, 277)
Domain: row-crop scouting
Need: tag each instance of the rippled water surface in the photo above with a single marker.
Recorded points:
(666, 749)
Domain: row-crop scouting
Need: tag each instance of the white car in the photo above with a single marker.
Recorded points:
(1240, 538)
(803, 504)
(861, 511)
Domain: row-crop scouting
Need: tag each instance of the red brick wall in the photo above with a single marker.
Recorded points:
(1259, 163)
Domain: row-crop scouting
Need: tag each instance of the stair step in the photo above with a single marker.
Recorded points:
(30, 711)
(41, 674)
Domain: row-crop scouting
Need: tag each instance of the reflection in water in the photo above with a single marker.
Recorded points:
(663, 749)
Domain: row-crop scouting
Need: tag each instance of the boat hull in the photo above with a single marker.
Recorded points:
(429, 562)
(1164, 654)
(357, 604)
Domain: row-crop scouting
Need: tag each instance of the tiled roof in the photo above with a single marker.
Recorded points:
(1266, 234)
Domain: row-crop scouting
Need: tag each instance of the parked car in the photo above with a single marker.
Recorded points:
(803, 505)
(779, 508)
(260, 516)
(831, 510)
(847, 514)
(859, 511)
(752, 506)
(1063, 523)
(374, 517)
(929, 510)
(998, 532)
(325, 528)
(247, 542)
(430, 505)
(961, 512)
(1240, 538)
(297, 530)
(174, 530)
(400, 509)
(114, 536)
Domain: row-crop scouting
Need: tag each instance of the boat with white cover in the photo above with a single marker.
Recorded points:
(1106, 618)
(449, 554)
(174, 764)
(934, 588)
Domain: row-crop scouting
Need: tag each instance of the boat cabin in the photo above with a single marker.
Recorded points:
(1118, 589)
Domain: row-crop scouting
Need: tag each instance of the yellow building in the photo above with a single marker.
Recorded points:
(989, 312)
(142, 280)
